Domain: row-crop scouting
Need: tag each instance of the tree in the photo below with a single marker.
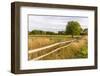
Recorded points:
(35, 32)
(73, 28)
(85, 31)
(41, 32)
(61, 32)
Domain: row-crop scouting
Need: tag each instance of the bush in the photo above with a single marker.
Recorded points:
(83, 52)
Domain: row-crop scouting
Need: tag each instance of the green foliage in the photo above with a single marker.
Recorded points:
(73, 28)
(84, 32)
(83, 52)
(36, 32)
(40, 32)
(61, 32)
(50, 33)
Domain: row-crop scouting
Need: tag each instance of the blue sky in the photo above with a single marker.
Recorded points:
(54, 23)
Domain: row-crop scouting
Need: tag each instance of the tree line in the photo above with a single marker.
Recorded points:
(72, 28)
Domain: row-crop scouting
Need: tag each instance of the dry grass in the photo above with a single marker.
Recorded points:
(45, 51)
(77, 49)
(40, 41)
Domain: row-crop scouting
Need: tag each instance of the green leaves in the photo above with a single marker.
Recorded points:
(73, 28)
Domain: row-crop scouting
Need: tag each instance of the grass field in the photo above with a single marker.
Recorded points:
(38, 41)
(77, 49)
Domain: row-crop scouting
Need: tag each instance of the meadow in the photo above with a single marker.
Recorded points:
(77, 49)
(38, 41)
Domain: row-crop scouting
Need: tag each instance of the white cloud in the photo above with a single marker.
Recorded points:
(54, 23)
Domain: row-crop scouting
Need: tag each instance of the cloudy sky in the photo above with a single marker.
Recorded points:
(54, 23)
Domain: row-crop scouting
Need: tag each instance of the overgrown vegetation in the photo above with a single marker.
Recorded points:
(77, 49)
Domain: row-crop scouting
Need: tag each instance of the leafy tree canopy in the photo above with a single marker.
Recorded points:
(73, 28)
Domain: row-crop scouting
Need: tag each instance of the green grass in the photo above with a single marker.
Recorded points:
(83, 52)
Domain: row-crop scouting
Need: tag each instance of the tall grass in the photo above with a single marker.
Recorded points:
(38, 41)
(77, 49)
(45, 51)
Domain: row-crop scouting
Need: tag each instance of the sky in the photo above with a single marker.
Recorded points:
(54, 23)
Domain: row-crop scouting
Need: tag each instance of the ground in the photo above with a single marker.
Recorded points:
(60, 49)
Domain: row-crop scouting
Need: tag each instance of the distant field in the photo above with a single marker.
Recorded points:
(38, 41)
